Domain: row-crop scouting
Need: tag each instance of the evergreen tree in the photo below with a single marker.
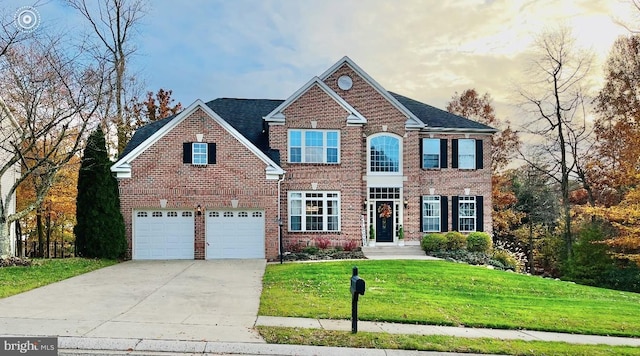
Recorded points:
(100, 227)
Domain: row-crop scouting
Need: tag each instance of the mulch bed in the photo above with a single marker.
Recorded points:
(323, 255)
(14, 261)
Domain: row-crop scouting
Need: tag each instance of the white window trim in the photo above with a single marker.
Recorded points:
(463, 200)
(303, 146)
(473, 153)
(400, 155)
(193, 154)
(431, 198)
(303, 217)
(437, 153)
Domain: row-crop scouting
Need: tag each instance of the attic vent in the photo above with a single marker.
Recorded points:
(345, 82)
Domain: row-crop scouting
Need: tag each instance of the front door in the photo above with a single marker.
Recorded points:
(384, 221)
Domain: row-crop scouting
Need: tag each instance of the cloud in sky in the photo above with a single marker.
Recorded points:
(423, 49)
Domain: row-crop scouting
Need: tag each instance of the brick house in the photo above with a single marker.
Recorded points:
(227, 178)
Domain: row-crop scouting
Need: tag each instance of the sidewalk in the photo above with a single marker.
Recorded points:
(410, 329)
(81, 346)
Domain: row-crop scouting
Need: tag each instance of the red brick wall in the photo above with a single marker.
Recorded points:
(345, 177)
(348, 177)
(158, 173)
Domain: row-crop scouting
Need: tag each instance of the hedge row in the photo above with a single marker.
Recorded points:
(475, 248)
(454, 240)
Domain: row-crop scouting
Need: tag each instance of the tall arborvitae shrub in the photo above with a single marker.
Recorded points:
(99, 226)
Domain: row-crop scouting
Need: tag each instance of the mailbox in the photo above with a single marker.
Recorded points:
(357, 289)
(357, 285)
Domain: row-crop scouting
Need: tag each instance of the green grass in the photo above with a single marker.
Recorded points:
(445, 293)
(15, 280)
(435, 343)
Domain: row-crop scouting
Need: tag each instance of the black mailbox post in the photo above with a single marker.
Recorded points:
(357, 288)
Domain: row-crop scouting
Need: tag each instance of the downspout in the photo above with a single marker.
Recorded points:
(280, 249)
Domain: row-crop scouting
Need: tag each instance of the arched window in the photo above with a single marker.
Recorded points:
(384, 154)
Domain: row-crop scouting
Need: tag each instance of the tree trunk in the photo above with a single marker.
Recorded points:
(5, 238)
(40, 252)
(19, 245)
(48, 233)
(531, 264)
(564, 179)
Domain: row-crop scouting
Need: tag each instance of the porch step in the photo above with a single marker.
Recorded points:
(394, 252)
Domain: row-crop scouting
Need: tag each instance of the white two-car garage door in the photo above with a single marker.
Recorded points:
(235, 234)
(163, 235)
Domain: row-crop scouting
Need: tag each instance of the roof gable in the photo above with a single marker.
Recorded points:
(412, 120)
(277, 115)
(155, 131)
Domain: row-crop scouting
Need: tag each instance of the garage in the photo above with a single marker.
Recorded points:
(163, 235)
(235, 234)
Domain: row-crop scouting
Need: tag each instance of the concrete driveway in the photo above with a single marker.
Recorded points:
(172, 300)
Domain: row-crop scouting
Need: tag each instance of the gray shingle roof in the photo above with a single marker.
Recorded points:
(434, 117)
(245, 115)
(144, 132)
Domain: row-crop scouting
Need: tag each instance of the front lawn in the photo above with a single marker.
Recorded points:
(446, 293)
(15, 280)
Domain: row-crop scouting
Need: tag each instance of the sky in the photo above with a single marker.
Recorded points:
(427, 50)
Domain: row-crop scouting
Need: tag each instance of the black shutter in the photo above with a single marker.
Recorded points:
(443, 153)
(421, 164)
(444, 213)
(186, 152)
(479, 213)
(211, 153)
(454, 153)
(454, 213)
(421, 213)
(479, 158)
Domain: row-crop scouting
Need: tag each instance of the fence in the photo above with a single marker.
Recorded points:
(56, 249)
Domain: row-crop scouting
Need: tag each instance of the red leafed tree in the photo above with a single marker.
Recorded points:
(153, 108)
(614, 167)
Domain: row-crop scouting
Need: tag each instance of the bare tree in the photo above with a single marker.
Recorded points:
(53, 97)
(555, 101)
(630, 22)
(113, 23)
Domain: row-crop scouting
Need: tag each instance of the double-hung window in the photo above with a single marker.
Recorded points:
(314, 146)
(430, 153)
(199, 153)
(467, 154)
(467, 213)
(431, 213)
(314, 211)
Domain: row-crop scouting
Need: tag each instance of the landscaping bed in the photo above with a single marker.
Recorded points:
(316, 254)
